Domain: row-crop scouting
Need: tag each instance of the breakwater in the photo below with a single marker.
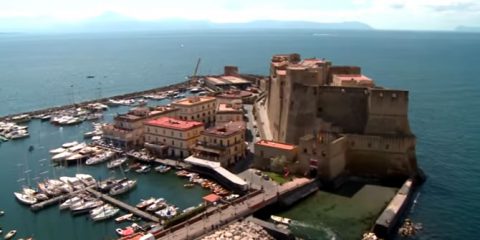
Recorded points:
(137, 94)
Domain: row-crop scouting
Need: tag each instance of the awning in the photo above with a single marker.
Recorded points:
(211, 198)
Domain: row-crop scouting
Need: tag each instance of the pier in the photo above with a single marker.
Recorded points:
(124, 206)
(56, 200)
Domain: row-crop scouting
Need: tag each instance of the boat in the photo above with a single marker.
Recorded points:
(163, 169)
(19, 134)
(21, 118)
(282, 220)
(97, 210)
(85, 207)
(2, 213)
(86, 179)
(188, 185)
(105, 186)
(100, 158)
(168, 212)
(125, 232)
(75, 157)
(77, 147)
(145, 203)
(116, 163)
(157, 205)
(10, 234)
(41, 196)
(102, 215)
(45, 118)
(143, 169)
(123, 187)
(25, 199)
(123, 217)
(62, 156)
(57, 150)
(70, 144)
(69, 202)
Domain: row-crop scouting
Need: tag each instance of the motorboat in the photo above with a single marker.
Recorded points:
(188, 185)
(143, 169)
(85, 207)
(145, 203)
(116, 163)
(97, 210)
(41, 196)
(19, 134)
(123, 217)
(62, 156)
(281, 220)
(10, 234)
(157, 205)
(125, 232)
(100, 158)
(162, 169)
(123, 187)
(25, 198)
(21, 118)
(77, 147)
(168, 212)
(108, 184)
(87, 179)
(75, 157)
(102, 215)
(70, 144)
(57, 150)
(69, 202)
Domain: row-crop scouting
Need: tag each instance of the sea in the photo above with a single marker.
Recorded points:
(439, 69)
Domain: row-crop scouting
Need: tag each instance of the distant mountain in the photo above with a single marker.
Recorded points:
(467, 29)
(111, 21)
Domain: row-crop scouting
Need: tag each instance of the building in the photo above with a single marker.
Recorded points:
(276, 156)
(172, 137)
(127, 130)
(228, 112)
(223, 143)
(231, 96)
(352, 80)
(196, 108)
(230, 79)
(361, 129)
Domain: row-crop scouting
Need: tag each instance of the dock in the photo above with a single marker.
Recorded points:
(124, 206)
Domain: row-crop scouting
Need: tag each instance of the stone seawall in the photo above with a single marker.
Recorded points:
(101, 100)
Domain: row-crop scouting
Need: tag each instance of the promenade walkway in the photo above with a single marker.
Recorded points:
(218, 216)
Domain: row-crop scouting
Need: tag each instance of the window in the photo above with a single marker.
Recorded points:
(387, 146)
(305, 150)
(369, 144)
(173, 143)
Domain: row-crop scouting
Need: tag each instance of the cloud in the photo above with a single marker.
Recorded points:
(456, 7)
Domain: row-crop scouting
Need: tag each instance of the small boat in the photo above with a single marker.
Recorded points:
(168, 212)
(123, 217)
(77, 147)
(106, 185)
(100, 158)
(145, 203)
(10, 234)
(125, 232)
(61, 156)
(69, 202)
(85, 207)
(157, 205)
(116, 163)
(57, 150)
(46, 118)
(86, 179)
(162, 169)
(41, 196)
(21, 118)
(2, 213)
(281, 220)
(97, 210)
(188, 185)
(123, 187)
(25, 199)
(143, 169)
(70, 144)
(102, 215)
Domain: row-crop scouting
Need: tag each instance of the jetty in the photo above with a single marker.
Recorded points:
(56, 200)
(124, 206)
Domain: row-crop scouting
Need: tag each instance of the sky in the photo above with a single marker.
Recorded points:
(380, 14)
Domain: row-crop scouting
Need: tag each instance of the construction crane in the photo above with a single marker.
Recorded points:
(193, 79)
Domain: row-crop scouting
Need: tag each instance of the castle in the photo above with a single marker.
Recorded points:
(340, 121)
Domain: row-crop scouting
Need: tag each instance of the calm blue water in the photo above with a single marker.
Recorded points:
(439, 69)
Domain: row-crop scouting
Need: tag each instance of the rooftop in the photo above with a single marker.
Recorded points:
(357, 77)
(217, 168)
(226, 80)
(273, 144)
(189, 101)
(228, 108)
(172, 123)
(234, 94)
(226, 129)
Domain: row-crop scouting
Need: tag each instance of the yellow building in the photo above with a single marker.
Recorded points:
(276, 156)
(172, 137)
(127, 129)
(197, 108)
(224, 143)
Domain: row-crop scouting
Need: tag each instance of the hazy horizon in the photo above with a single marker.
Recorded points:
(437, 15)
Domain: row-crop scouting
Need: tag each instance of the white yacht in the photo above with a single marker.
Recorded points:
(69, 202)
(123, 187)
(116, 163)
(25, 198)
(70, 144)
(102, 215)
(86, 179)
